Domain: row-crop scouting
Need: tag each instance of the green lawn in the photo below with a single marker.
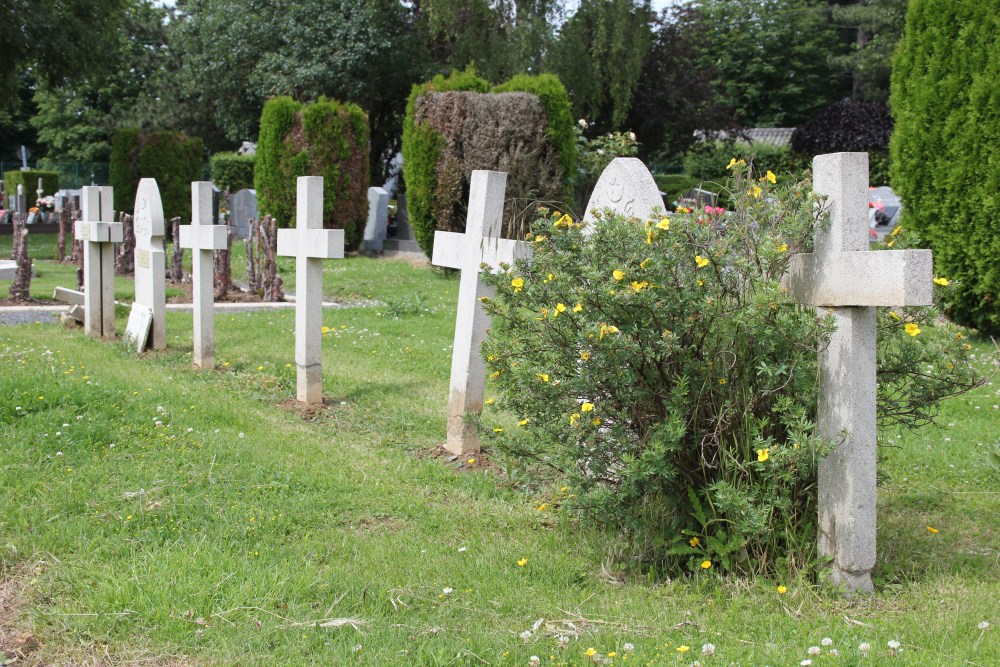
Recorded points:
(152, 511)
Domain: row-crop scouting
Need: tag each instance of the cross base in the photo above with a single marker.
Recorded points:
(309, 383)
(463, 438)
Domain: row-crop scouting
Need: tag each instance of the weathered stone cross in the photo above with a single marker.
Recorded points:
(151, 259)
(203, 238)
(98, 259)
(309, 244)
(479, 245)
(846, 281)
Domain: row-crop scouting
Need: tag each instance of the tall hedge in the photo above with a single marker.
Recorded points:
(231, 171)
(29, 179)
(945, 99)
(523, 127)
(172, 158)
(325, 138)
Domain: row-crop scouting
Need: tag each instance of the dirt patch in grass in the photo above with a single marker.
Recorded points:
(480, 461)
(312, 411)
(16, 639)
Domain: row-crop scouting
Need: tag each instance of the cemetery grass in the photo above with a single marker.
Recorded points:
(153, 511)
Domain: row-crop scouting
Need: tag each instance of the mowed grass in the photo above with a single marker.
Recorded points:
(153, 510)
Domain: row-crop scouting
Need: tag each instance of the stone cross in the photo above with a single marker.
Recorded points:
(203, 238)
(151, 259)
(98, 231)
(626, 187)
(479, 245)
(309, 244)
(844, 280)
(378, 216)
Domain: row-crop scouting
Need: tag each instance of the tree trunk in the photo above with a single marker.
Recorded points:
(223, 272)
(125, 254)
(250, 243)
(268, 245)
(177, 258)
(20, 288)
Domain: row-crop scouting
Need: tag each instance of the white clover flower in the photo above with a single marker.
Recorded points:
(534, 661)
(462, 549)
(525, 636)
(983, 625)
(894, 647)
(806, 663)
(447, 591)
(241, 435)
(563, 641)
(826, 641)
(58, 433)
(59, 453)
(814, 650)
(864, 647)
(708, 650)
(629, 647)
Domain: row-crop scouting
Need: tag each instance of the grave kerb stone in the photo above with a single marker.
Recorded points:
(203, 238)
(98, 230)
(479, 245)
(846, 281)
(310, 244)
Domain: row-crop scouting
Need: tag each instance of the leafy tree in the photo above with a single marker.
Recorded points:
(15, 120)
(772, 57)
(946, 104)
(599, 57)
(59, 40)
(877, 25)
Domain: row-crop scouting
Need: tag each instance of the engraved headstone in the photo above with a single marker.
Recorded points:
(480, 244)
(203, 238)
(845, 280)
(140, 320)
(378, 217)
(309, 244)
(151, 259)
(99, 232)
(627, 188)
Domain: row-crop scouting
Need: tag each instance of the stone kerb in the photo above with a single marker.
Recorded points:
(150, 259)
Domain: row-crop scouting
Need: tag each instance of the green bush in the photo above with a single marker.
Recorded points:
(657, 370)
(29, 179)
(438, 156)
(231, 171)
(172, 158)
(944, 149)
(324, 138)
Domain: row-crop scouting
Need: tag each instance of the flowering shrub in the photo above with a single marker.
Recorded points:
(658, 370)
(593, 155)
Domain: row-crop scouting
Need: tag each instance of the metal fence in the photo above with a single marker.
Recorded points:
(72, 175)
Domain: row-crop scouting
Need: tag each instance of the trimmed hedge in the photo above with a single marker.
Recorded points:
(452, 128)
(325, 138)
(946, 103)
(29, 179)
(231, 171)
(172, 158)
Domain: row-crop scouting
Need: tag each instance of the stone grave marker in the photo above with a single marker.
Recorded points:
(242, 209)
(309, 244)
(99, 232)
(626, 187)
(203, 238)
(843, 279)
(140, 320)
(151, 259)
(480, 244)
(378, 216)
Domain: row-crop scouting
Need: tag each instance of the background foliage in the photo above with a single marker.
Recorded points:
(944, 160)
(231, 171)
(29, 179)
(173, 159)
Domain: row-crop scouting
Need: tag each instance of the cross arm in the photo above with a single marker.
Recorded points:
(861, 278)
(314, 243)
(203, 237)
(98, 232)
(503, 251)
(448, 249)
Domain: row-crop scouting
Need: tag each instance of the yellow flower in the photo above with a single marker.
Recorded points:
(783, 247)
(542, 376)
(522, 562)
(549, 278)
(782, 590)
(539, 238)
(755, 191)
(637, 286)
(705, 564)
(643, 263)
(959, 336)
(932, 530)
(618, 274)
(585, 355)
(763, 454)
(912, 329)
(700, 282)
(612, 654)
(578, 308)
(560, 308)
(493, 376)
(564, 221)
(735, 163)
(471, 461)
(649, 236)
(574, 418)
(663, 224)
(498, 430)
(896, 231)
(694, 541)
(700, 261)
(587, 407)
(941, 281)
(595, 421)
(590, 652)
(613, 329)
(523, 422)
(260, 368)
(541, 508)
(685, 649)
(770, 177)
(894, 315)
(518, 284)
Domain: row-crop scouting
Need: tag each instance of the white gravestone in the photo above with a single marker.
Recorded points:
(309, 244)
(846, 281)
(151, 259)
(203, 238)
(99, 232)
(137, 330)
(479, 245)
(627, 188)
(378, 217)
